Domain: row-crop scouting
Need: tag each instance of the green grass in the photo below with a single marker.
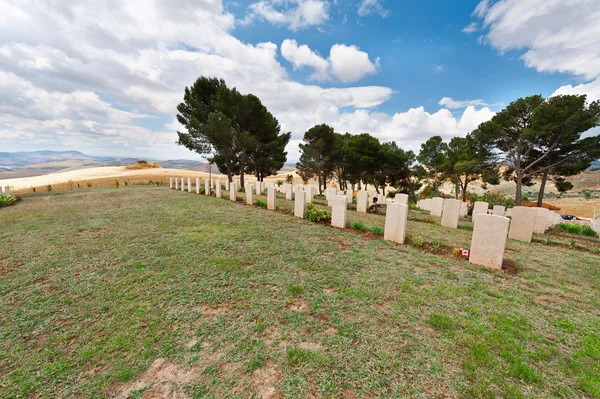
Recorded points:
(98, 285)
(578, 229)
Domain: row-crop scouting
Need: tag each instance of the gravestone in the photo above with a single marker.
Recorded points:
(362, 199)
(464, 209)
(349, 196)
(309, 194)
(233, 191)
(521, 225)
(480, 207)
(197, 185)
(489, 240)
(218, 189)
(249, 194)
(227, 184)
(339, 211)
(182, 184)
(189, 185)
(401, 199)
(177, 183)
(437, 204)
(7, 190)
(426, 204)
(498, 210)
(330, 191)
(289, 192)
(395, 222)
(1, 190)
(509, 212)
(450, 213)
(170, 183)
(271, 195)
(207, 187)
(541, 221)
(299, 204)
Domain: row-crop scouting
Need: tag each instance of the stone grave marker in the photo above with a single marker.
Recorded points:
(480, 207)
(498, 210)
(362, 199)
(299, 204)
(521, 225)
(401, 199)
(437, 204)
(450, 213)
(271, 195)
(339, 211)
(395, 222)
(218, 189)
(489, 240)
(249, 194)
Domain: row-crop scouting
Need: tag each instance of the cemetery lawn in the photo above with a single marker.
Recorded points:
(146, 292)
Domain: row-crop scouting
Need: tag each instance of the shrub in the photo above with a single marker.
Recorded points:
(260, 203)
(6, 200)
(279, 183)
(142, 165)
(358, 226)
(289, 179)
(375, 230)
(49, 187)
(578, 229)
(317, 215)
(418, 241)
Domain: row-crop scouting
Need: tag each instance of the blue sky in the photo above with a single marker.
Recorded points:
(105, 79)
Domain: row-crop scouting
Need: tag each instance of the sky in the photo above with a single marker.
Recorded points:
(104, 77)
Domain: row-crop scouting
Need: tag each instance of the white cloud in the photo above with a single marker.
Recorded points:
(455, 104)
(301, 56)
(591, 89)
(368, 7)
(472, 27)
(350, 64)
(557, 35)
(302, 14)
(438, 68)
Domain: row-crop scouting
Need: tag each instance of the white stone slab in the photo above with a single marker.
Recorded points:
(509, 212)
(522, 222)
(480, 207)
(541, 221)
(362, 198)
(289, 191)
(339, 211)
(426, 204)
(206, 187)
(170, 183)
(437, 204)
(6, 190)
(233, 191)
(299, 204)
(197, 185)
(177, 183)
(271, 195)
(489, 240)
(309, 194)
(249, 194)
(218, 189)
(227, 184)
(464, 209)
(450, 213)
(396, 217)
(401, 199)
(498, 210)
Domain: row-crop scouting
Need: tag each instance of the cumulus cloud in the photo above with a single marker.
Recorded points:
(350, 64)
(367, 7)
(455, 104)
(347, 63)
(557, 35)
(472, 27)
(295, 14)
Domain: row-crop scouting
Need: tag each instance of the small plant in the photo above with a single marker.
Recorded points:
(375, 230)
(202, 190)
(117, 184)
(413, 207)
(289, 179)
(88, 184)
(418, 241)
(464, 226)
(317, 215)
(279, 183)
(260, 203)
(572, 244)
(49, 187)
(7, 200)
(548, 241)
(359, 226)
(578, 229)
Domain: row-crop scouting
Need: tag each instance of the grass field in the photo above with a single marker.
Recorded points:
(144, 292)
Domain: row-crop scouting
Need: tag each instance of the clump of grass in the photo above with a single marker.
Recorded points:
(417, 241)
(142, 165)
(260, 203)
(295, 289)
(441, 322)
(578, 229)
(317, 215)
(359, 226)
(375, 230)
(465, 226)
(7, 200)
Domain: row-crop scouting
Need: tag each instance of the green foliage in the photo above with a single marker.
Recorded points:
(578, 229)
(49, 187)
(375, 230)
(562, 185)
(441, 322)
(279, 183)
(289, 179)
(417, 241)
(260, 203)
(358, 226)
(496, 199)
(317, 215)
(433, 156)
(7, 200)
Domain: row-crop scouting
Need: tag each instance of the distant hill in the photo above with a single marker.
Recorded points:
(595, 166)
(15, 160)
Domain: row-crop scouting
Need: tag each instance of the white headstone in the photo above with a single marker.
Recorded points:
(207, 186)
(401, 199)
(349, 196)
(182, 184)
(464, 209)
(498, 210)
(480, 207)
(299, 204)
(395, 222)
(227, 183)
(362, 199)
(339, 211)
(7, 190)
(177, 183)
(233, 191)
(249, 194)
(436, 206)
(521, 225)
(541, 221)
(170, 183)
(450, 213)
(509, 212)
(271, 195)
(289, 192)
(218, 189)
(309, 194)
(189, 185)
(489, 240)
(426, 204)
(197, 185)
(330, 191)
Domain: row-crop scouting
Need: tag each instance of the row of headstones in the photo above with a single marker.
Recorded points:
(492, 227)
(6, 190)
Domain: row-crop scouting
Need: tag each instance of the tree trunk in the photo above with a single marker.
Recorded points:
(542, 188)
(519, 182)
(229, 174)
(435, 181)
(242, 166)
(319, 177)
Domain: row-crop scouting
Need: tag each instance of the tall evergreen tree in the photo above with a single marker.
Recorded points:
(433, 156)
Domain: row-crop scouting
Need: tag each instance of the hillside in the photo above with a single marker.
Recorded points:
(141, 291)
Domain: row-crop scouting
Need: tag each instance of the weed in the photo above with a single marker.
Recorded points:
(417, 241)
(7, 200)
(375, 230)
(317, 215)
(578, 229)
(358, 226)
(260, 203)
